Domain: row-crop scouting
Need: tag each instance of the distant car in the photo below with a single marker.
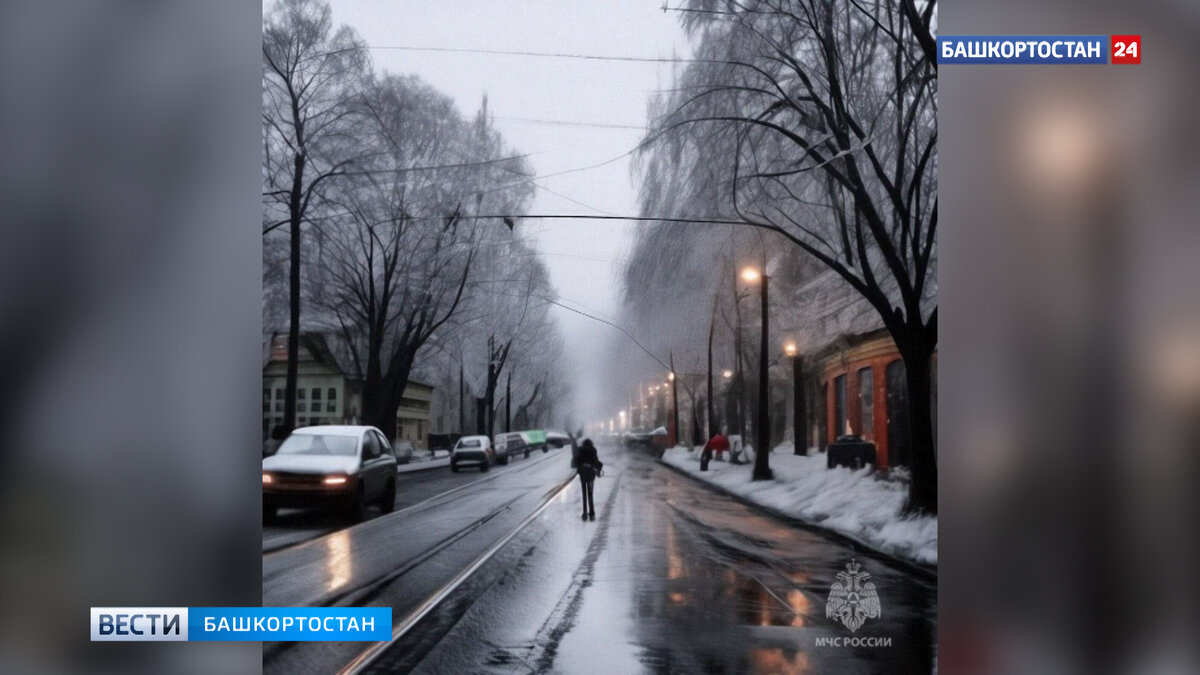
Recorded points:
(558, 439)
(404, 451)
(508, 445)
(637, 438)
(658, 438)
(346, 467)
(475, 450)
(536, 439)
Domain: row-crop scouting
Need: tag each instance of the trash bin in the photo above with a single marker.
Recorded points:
(851, 451)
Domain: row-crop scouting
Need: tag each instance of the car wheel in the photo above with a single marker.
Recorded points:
(270, 514)
(503, 460)
(483, 466)
(453, 467)
(388, 502)
(526, 453)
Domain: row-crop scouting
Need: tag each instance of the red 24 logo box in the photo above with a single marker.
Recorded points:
(1125, 49)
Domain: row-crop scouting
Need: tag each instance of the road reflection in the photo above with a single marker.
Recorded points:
(737, 592)
(339, 563)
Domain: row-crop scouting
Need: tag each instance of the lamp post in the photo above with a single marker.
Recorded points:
(762, 427)
(799, 414)
(671, 380)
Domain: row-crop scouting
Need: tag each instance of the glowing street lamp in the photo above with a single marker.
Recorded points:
(799, 415)
(727, 374)
(762, 435)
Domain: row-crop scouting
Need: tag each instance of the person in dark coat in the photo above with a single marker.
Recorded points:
(589, 466)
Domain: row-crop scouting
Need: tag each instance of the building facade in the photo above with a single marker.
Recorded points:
(329, 392)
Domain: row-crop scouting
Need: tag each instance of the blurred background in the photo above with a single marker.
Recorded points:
(1070, 349)
(1069, 362)
(130, 304)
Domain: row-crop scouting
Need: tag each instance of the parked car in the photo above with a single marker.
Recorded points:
(637, 438)
(558, 439)
(404, 451)
(508, 445)
(536, 439)
(345, 467)
(475, 450)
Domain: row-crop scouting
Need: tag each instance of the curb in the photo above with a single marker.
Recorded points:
(918, 569)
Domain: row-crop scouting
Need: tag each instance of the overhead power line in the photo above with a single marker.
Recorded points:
(566, 123)
(548, 55)
(609, 323)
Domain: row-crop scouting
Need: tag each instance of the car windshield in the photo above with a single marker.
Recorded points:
(469, 443)
(319, 444)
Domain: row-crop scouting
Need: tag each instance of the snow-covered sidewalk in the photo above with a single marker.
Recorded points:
(856, 504)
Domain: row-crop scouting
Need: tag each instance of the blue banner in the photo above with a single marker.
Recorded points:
(289, 624)
(1023, 49)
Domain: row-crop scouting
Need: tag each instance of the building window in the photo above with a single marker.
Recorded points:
(300, 393)
(279, 393)
(839, 406)
(278, 405)
(266, 400)
(331, 405)
(301, 407)
(866, 399)
(316, 395)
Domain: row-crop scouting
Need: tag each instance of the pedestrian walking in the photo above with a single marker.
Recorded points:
(589, 466)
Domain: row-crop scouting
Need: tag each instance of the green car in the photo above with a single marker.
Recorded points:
(536, 439)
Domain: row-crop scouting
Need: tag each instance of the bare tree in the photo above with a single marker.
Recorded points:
(819, 121)
(312, 73)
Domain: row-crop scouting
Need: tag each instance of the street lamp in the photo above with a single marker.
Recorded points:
(762, 430)
(727, 374)
(799, 415)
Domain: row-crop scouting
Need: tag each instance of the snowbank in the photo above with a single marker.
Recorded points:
(857, 504)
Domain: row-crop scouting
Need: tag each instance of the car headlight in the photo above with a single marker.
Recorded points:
(268, 478)
(335, 480)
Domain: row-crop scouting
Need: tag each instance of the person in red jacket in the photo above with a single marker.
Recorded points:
(717, 444)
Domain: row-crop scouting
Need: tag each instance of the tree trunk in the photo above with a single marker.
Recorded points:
(923, 492)
(293, 348)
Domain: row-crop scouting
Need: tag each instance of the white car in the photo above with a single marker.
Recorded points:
(510, 444)
(348, 467)
(475, 450)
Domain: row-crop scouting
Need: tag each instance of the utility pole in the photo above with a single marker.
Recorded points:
(462, 406)
(508, 403)
(489, 395)
(799, 416)
(712, 411)
(762, 467)
(674, 380)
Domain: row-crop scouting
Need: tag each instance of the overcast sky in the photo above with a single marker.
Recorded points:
(584, 257)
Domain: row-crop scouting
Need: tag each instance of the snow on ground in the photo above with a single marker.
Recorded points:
(421, 461)
(861, 505)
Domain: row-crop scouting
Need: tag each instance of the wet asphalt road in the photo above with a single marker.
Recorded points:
(294, 526)
(399, 559)
(671, 578)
